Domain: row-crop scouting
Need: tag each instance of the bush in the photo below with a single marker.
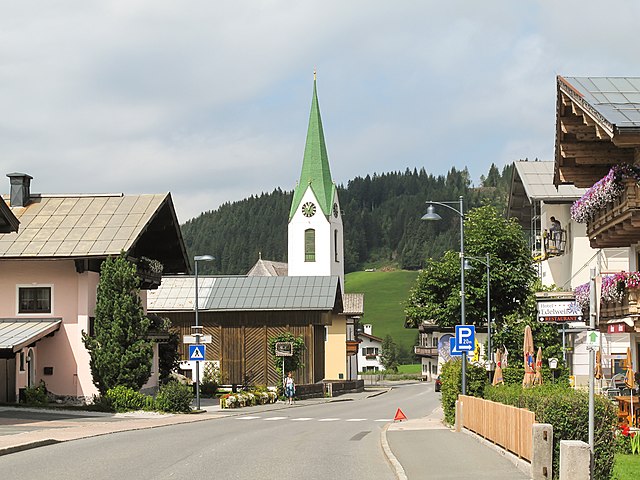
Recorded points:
(36, 395)
(124, 399)
(210, 380)
(452, 385)
(174, 397)
(568, 411)
(513, 375)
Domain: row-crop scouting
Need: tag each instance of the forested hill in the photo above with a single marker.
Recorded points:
(381, 216)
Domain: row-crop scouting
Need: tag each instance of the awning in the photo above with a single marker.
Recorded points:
(17, 333)
(625, 320)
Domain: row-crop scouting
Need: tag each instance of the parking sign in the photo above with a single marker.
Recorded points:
(465, 337)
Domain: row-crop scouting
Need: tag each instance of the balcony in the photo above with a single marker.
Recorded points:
(425, 351)
(352, 347)
(629, 307)
(617, 224)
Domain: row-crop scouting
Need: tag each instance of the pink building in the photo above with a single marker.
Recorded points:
(49, 272)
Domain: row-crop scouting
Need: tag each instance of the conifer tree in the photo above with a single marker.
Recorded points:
(120, 352)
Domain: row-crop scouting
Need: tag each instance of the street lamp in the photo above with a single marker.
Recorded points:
(431, 215)
(486, 263)
(197, 328)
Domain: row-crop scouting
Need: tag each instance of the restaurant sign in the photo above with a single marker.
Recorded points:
(559, 311)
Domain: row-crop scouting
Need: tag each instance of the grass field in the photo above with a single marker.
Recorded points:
(415, 368)
(626, 467)
(384, 296)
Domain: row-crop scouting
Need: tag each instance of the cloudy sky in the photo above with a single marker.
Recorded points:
(210, 100)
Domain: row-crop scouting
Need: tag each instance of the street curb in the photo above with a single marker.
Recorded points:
(391, 458)
(28, 446)
(386, 390)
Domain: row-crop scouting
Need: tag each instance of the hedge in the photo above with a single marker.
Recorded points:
(568, 411)
(451, 377)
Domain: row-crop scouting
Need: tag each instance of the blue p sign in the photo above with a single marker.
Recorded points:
(465, 337)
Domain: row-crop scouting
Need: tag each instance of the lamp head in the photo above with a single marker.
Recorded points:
(203, 258)
(431, 214)
(467, 264)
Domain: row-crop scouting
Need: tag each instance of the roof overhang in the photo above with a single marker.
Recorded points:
(17, 333)
(8, 221)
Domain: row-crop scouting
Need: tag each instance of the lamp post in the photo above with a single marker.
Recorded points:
(197, 328)
(486, 264)
(431, 215)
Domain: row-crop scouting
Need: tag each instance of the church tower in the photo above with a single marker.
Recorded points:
(315, 219)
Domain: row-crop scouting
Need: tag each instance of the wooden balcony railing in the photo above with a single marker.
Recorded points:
(425, 351)
(617, 224)
(628, 307)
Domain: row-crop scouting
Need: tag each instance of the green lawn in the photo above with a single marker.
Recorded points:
(626, 467)
(384, 296)
(415, 368)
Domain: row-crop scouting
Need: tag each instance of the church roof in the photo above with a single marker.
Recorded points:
(268, 268)
(315, 165)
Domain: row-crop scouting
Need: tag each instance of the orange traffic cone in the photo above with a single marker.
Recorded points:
(399, 416)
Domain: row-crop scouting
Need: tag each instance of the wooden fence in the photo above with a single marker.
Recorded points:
(504, 425)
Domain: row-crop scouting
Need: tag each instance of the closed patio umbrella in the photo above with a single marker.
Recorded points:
(537, 379)
(527, 350)
(629, 381)
(497, 376)
(598, 371)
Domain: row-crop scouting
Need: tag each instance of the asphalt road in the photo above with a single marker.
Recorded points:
(339, 440)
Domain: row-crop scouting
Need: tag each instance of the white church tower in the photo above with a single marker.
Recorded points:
(315, 220)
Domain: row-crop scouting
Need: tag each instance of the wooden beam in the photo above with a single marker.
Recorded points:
(583, 176)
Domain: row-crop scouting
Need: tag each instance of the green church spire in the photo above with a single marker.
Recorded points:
(315, 165)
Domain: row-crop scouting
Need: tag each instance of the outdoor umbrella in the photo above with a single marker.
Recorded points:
(497, 376)
(537, 380)
(528, 357)
(629, 381)
(598, 371)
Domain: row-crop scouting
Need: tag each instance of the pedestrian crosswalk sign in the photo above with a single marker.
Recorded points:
(196, 352)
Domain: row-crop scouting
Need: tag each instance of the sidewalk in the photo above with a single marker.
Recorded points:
(426, 448)
(26, 428)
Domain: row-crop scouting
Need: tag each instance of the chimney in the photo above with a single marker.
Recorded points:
(20, 189)
(367, 329)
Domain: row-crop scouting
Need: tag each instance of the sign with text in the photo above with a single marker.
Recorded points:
(194, 338)
(465, 337)
(453, 350)
(559, 311)
(284, 349)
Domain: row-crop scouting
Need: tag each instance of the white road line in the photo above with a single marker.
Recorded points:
(301, 419)
(274, 418)
(383, 420)
(356, 420)
(328, 419)
(248, 417)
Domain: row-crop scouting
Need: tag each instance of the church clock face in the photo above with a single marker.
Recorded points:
(335, 210)
(309, 209)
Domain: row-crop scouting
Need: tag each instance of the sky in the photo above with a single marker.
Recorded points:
(210, 100)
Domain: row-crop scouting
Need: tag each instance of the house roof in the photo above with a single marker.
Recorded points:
(240, 293)
(95, 226)
(370, 337)
(615, 100)
(353, 303)
(8, 222)
(532, 182)
(315, 165)
(16, 333)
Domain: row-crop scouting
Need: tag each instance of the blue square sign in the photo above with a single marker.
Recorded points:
(196, 352)
(465, 337)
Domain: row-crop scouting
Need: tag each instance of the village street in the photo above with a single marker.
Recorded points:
(313, 439)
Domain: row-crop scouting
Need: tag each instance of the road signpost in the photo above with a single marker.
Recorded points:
(194, 338)
(465, 337)
(284, 349)
(197, 353)
(454, 351)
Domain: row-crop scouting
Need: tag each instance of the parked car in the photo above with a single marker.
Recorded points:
(438, 384)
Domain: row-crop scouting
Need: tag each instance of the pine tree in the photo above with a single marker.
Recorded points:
(120, 352)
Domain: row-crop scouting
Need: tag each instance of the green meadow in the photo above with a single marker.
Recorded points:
(385, 294)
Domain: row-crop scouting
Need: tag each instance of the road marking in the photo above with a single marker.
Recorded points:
(383, 420)
(274, 418)
(356, 420)
(328, 419)
(248, 417)
(301, 419)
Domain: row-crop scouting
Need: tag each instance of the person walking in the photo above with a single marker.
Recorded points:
(289, 388)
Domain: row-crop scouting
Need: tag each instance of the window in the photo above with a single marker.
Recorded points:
(34, 300)
(370, 351)
(370, 369)
(310, 245)
(335, 246)
(22, 361)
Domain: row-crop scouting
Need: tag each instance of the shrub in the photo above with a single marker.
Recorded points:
(513, 375)
(36, 395)
(211, 379)
(568, 411)
(452, 385)
(124, 399)
(174, 397)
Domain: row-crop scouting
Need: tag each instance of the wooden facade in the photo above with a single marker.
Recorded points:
(240, 342)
